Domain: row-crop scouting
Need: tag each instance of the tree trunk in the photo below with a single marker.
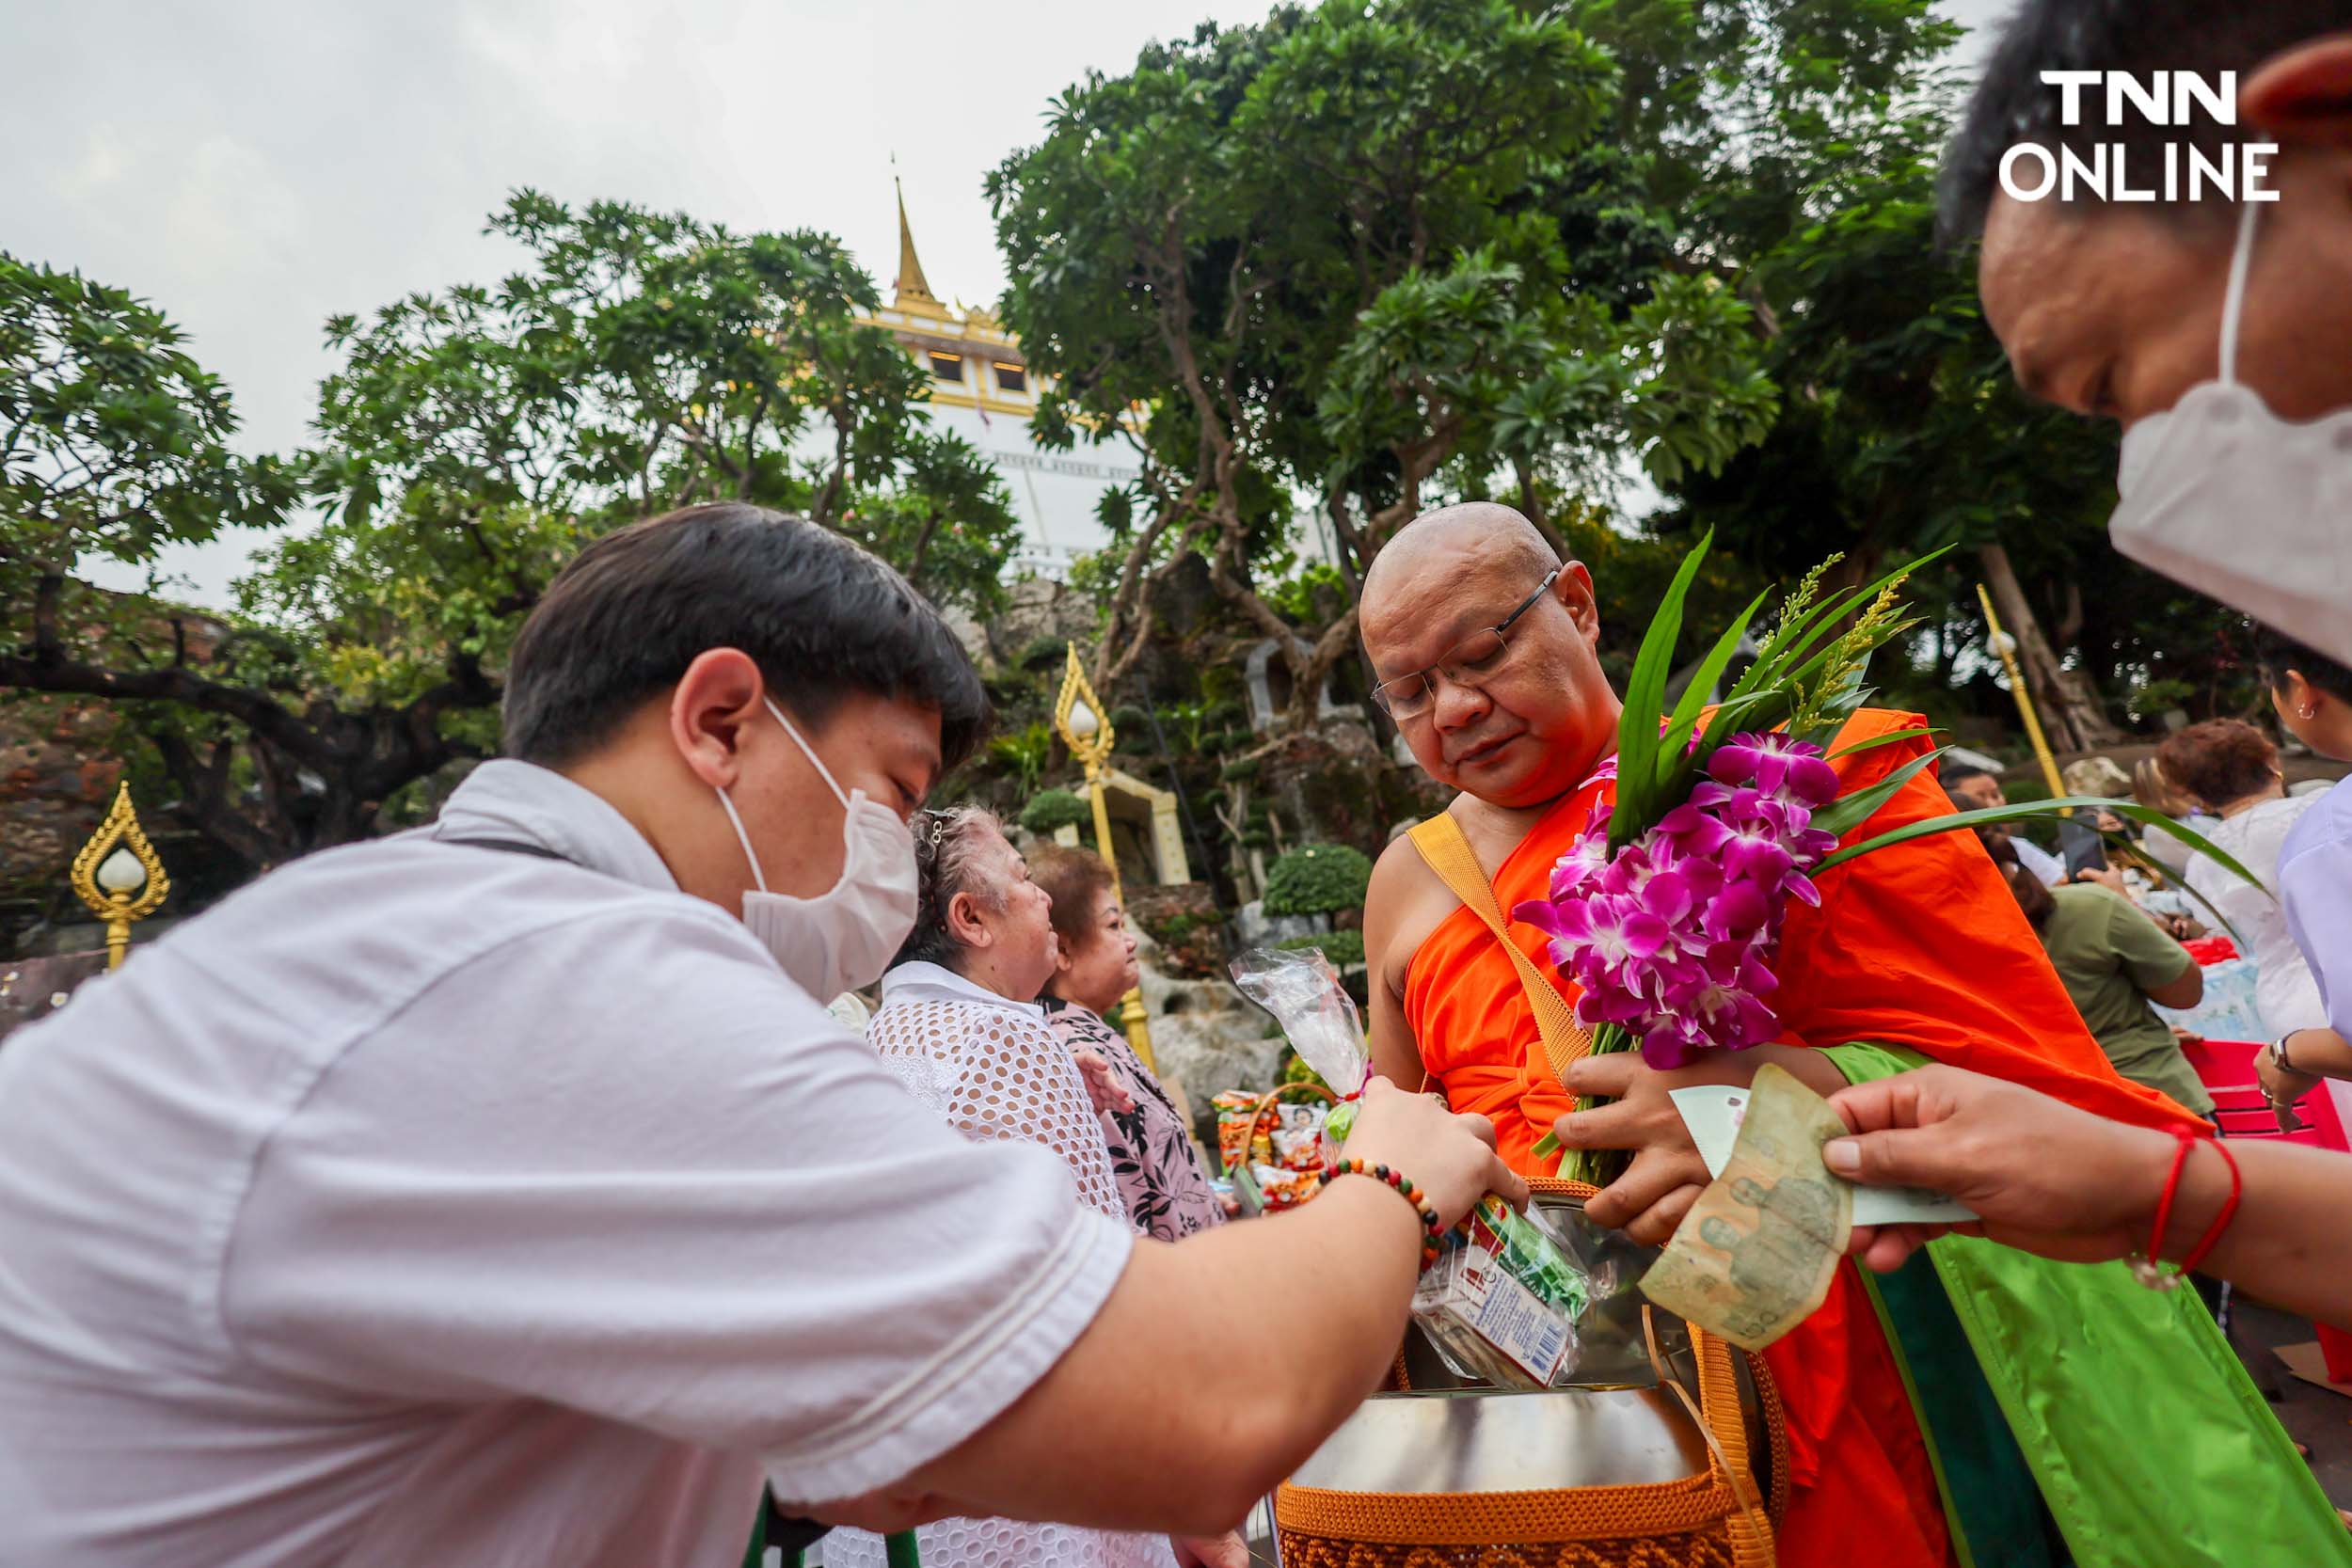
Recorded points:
(2072, 717)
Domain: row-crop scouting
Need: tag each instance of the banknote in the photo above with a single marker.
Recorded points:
(1712, 1112)
(1755, 1254)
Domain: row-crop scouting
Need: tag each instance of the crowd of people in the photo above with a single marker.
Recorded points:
(508, 1192)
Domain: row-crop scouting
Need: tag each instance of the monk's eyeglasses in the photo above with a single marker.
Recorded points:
(1466, 663)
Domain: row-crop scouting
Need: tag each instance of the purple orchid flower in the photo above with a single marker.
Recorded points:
(1787, 770)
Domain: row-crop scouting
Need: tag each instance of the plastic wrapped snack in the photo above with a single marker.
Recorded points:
(1297, 1137)
(1501, 1303)
(1280, 1189)
(1235, 1110)
(1302, 990)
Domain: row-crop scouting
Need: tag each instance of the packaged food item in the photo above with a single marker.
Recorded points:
(1302, 990)
(1502, 1300)
(1279, 1188)
(1297, 1137)
(1235, 1110)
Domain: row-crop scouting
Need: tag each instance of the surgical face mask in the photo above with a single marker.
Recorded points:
(2222, 494)
(844, 937)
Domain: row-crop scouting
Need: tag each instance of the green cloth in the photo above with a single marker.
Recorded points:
(2109, 954)
(2149, 1443)
(1989, 1489)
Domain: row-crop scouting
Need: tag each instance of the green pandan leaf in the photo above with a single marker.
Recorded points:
(1645, 700)
(1685, 720)
(1849, 812)
(2056, 809)
(1890, 738)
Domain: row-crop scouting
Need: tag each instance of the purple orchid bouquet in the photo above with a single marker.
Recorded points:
(1667, 910)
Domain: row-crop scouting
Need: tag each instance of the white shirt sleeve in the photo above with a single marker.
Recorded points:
(624, 1166)
(2049, 868)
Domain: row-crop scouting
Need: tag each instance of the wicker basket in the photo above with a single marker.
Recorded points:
(1574, 1478)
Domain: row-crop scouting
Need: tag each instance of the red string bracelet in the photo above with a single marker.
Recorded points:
(2147, 1269)
(2221, 1220)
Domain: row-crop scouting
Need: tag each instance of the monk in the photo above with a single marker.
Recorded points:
(1979, 1406)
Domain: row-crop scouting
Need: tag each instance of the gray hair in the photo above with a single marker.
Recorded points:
(947, 848)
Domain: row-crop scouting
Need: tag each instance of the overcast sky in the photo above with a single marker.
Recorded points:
(255, 166)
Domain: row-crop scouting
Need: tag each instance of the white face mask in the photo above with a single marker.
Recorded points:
(2223, 495)
(845, 937)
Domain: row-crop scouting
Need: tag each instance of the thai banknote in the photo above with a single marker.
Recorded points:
(1712, 1112)
(1755, 1254)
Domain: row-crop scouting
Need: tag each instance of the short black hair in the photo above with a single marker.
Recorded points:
(822, 617)
(2012, 105)
(2278, 653)
(1961, 773)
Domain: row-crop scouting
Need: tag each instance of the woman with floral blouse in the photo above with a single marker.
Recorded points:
(1160, 1178)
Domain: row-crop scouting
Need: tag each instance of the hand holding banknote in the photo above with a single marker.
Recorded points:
(2042, 1176)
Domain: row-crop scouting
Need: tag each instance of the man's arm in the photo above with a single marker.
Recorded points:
(1159, 1416)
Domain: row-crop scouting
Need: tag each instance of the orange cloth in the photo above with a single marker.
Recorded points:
(1919, 946)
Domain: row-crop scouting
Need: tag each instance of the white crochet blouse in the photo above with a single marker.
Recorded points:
(993, 1069)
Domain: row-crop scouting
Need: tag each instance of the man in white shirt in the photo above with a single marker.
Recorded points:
(493, 1195)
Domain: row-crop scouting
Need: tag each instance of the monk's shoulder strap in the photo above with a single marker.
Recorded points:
(1443, 845)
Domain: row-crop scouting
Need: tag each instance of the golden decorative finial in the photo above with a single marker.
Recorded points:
(1078, 715)
(118, 875)
(911, 284)
(1086, 729)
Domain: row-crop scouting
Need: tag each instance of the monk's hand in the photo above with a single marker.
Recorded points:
(1666, 1174)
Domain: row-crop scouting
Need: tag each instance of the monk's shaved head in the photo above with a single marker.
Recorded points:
(1515, 719)
(1475, 539)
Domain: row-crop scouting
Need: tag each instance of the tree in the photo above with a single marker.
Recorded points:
(1317, 257)
(467, 441)
(1899, 433)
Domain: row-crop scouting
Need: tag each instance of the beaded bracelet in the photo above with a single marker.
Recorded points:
(1431, 1227)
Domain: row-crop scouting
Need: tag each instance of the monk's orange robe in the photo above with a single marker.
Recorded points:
(1918, 946)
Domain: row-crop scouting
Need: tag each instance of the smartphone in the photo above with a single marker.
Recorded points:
(2084, 849)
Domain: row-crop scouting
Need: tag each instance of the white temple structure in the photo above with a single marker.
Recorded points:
(981, 390)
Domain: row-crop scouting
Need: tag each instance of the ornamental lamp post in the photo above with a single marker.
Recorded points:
(2005, 646)
(1078, 717)
(118, 875)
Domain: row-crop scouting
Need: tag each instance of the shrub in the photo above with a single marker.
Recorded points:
(1042, 653)
(1318, 879)
(1051, 809)
(1345, 949)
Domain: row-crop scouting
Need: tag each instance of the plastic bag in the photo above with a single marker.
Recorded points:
(1302, 990)
(1502, 1302)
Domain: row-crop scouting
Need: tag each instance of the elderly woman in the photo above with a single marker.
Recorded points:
(1161, 1178)
(961, 1026)
(2232, 769)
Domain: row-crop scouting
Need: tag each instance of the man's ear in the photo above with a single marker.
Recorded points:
(712, 704)
(1575, 591)
(964, 922)
(2303, 94)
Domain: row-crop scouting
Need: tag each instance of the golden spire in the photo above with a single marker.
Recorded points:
(911, 284)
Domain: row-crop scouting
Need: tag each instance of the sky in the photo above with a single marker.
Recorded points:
(254, 166)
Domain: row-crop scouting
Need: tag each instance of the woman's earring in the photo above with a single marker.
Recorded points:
(2307, 714)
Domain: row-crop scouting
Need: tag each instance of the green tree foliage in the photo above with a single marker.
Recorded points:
(1318, 879)
(1345, 949)
(467, 441)
(1323, 256)
(1050, 810)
